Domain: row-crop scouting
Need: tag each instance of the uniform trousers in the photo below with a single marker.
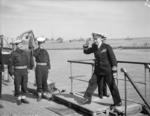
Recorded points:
(0, 83)
(97, 81)
(94, 82)
(102, 87)
(41, 78)
(21, 79)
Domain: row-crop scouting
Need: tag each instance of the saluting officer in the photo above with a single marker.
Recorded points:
(18, 67)
(105, 69)
(42, 69)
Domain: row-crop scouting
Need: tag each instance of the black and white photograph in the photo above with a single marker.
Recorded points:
(74, 57)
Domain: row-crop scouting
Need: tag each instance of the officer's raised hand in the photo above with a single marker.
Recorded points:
(86, 43)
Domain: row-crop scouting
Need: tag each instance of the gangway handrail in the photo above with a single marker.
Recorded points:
(119, 61)
(86, 61)
(80, 62)
(133, 62)
(126, 75)
(121, 79)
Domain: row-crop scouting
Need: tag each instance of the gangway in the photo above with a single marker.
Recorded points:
(101, 107)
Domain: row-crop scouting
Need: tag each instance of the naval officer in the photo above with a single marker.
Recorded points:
(105, 69)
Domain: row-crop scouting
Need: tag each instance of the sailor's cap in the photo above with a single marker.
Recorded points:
(41, 39)
(96, 36)
(16, 42)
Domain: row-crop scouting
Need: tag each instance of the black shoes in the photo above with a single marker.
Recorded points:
(101, 97)
(39, 98)
(20, 101)
(118, 104)
(104, 95)
(86, 101)
(25, 101)
(47, 96)
(107, 95)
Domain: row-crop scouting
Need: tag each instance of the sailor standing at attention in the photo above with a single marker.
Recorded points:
(42, 69)
(18, 66)
(1, 64)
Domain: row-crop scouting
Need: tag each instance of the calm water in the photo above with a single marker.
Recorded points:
(60, 66)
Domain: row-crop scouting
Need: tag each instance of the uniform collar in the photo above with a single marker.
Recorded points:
(99, 46)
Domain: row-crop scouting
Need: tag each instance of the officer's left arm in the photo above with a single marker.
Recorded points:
(1, 61)
(112, 59)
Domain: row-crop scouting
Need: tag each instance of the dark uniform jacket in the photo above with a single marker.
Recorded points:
(42, 56)
(105, 60)
(19, 58)
(1, 61)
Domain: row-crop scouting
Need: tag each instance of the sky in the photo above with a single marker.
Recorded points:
(72, 19)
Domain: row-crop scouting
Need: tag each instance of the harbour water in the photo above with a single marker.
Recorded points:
(60, 73)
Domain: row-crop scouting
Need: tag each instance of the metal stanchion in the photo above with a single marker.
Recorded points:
(145, 67)
(125, 94)
(71, 91)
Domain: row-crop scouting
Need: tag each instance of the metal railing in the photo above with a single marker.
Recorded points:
(75, 77)
(146, 67)
(126, 76)
(91, 62)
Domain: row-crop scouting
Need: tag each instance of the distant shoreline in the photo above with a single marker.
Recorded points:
(131, 47)
(79, 48)
(124, 47)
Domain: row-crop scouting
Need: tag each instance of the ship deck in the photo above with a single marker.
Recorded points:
(8, 106)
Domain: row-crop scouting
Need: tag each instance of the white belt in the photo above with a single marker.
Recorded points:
(41, 64)
(20, 67)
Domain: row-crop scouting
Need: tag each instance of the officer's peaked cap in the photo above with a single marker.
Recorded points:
(17, 41)
(96, 35)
